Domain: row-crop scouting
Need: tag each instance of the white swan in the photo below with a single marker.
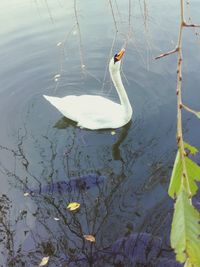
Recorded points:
(97, 112)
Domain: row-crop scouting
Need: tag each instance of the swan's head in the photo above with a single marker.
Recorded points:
(115, 61)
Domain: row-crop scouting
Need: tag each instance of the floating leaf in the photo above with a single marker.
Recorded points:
(185, 230)
(90, 238)
(193, 150)
(26, 194)
(59, 44)
(56, 219)
(44, 261)
(73, 206)
(113, 133)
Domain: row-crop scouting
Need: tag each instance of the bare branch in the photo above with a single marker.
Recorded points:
(185, 24)
(79, 36)
(168, 53)
(180, 140)
(113, 15)
(196, 113)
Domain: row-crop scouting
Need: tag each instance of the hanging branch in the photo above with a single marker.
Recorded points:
(113, 15)
(79, 36)
(180, 141)
(190, 25)
(175, 50)
(185, 228)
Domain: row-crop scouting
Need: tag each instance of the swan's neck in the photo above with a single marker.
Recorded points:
(116, 78)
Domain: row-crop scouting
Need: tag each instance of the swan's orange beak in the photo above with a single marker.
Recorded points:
(120, 54)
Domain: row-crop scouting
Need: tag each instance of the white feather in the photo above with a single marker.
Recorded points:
(97, 112)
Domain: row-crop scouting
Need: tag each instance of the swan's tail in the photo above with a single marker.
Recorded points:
(55, 101)
(65, 105)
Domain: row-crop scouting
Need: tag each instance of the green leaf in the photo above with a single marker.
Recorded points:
(193, 150)
(175, 180)
(193, 171)
(188, 263)
(185, 230)
(197, 113)
(193, 174)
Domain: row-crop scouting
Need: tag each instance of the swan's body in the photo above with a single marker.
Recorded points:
(97, 112)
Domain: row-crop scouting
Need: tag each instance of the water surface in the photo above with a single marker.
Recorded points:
(40, 39)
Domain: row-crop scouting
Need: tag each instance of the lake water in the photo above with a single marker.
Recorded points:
(38, 147)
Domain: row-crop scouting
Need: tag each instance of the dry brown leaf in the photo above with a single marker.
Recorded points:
(44, 261)
(73, 206)
(90, 238)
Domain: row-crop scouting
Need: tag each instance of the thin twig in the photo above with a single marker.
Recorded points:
(118, 12)
(107, 65)
(175, 50)
(182, 24)
(190, 20)
(185, 24)
(113, 15)
(191, 110)
(49, 11)
(79, 36)
(145, 14)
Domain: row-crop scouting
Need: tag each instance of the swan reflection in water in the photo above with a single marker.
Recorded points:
(122, 133)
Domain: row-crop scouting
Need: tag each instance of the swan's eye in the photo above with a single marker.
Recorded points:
(116, 58)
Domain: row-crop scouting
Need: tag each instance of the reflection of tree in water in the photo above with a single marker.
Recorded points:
(108, 210)
(6, 231)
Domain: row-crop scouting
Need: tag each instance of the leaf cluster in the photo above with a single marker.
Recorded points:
(185, 231)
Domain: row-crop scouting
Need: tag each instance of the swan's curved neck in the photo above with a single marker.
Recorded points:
(117, 81)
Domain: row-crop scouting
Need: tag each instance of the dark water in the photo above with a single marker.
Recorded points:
(39, 147)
